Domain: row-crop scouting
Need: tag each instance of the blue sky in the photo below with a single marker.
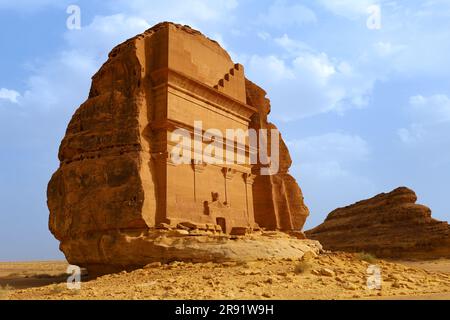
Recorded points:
(363, 111)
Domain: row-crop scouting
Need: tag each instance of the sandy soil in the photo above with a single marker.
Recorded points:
(439, 266)
(329, 276)
(23, 275)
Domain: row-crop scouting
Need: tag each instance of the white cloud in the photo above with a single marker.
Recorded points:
(404, 135)
(317, 66)
(31, 5)
(415, 133)
(220, 40)
(431, 109)
(326, 170)
(340, 83)
(433, 8)
(386, 49)
(332, 147)
(280, 14)
(329, 156)
(429, 116)
(351, 9)
(310, 84)
(270, 67)
(9, 95)
(263, 35)
(414, 43)
(64, 80)
(327, 186)
(427, 57)
(104, 33)
(192, 12)
(291, 46)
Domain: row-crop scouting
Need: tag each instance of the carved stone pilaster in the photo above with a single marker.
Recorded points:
(162, 157)
(198, 166)
(228, 173)
(249, 178)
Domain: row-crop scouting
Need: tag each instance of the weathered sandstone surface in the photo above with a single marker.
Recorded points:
(126, 251)
(117, 184)
(388, 225)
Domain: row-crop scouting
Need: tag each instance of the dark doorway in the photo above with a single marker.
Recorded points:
(206, 210)
(222, 223)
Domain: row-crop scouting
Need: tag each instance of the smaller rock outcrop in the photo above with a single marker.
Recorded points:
(389, 225)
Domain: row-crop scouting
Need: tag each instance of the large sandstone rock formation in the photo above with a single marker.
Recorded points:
(116, 183)
(389, 225)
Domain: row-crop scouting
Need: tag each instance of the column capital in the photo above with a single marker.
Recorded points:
(198, 165)
(249, 178)
(228, 173)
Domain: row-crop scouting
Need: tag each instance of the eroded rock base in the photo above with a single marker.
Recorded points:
(126, 251)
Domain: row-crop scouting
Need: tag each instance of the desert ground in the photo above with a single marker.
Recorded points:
(328, 276)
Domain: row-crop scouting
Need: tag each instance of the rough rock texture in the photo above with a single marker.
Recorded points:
(389, 225)
(278, 200)
(117, 180)
(128, 252)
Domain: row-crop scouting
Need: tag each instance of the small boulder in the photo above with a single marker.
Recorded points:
(309, 256)
(153, 265)
(240, 231)
(183, 226)
(163, 226)
(326, 272)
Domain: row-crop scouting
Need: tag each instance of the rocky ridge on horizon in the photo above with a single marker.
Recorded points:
(389, 225)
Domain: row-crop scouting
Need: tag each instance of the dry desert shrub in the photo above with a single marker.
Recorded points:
(302, 267)
(367, 257)
(5, 291)
(15, 275)
(242, 263)
(57, 289)
(42, 276)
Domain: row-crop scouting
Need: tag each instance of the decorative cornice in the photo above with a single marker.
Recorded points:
(172, 125)
(228, 173)
(198, 166)
(201, 91)
(162, 157)
(249, 178)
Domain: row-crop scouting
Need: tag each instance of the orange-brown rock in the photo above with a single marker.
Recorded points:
(117, 183)
(278, 200)
(389, 225)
